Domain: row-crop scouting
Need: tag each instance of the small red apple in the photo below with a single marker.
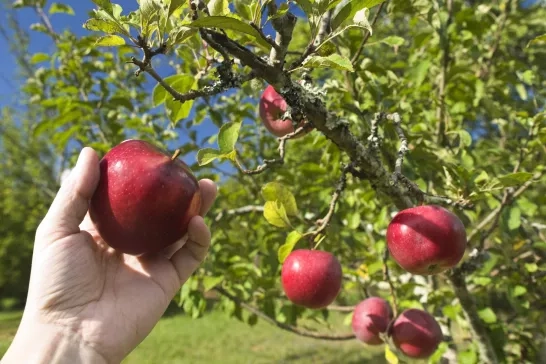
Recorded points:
(144, 200)
(272, 107)
(416, 333)
(426, 239)
(311, 278)
(370, 318)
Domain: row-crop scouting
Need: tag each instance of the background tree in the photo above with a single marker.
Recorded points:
(465, 77)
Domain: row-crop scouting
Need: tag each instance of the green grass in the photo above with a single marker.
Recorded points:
(216, 338)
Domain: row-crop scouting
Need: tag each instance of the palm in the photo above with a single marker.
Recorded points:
(112, 300)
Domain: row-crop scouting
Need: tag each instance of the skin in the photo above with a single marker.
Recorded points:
(426, 239)
(311, 278)
(370, 318)
(416, 333)
(272, 106)
(144, 200)
(87, 302)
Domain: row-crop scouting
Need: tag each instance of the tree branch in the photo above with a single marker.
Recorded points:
(445, 41)
(387, 277)
(239, 211)
(479, 330)
(267, 163)
(284, 26)
(323, 223)
(281, 325)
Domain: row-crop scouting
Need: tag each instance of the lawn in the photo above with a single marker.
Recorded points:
(216, 338)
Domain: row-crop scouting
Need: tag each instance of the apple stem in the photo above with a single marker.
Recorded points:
(176, 154)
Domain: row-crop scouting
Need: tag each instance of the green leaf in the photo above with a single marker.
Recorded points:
(350, 9)
(539, 39)
(39, 57)
(228, 135)
(105, 5)
(61, 8)
(211, 282)
(110, 41)
(288, 245)
(275, 214)
(393, 40)
(515, 179)
(218, 7)
(177, 110)
(207, 155)
(158, 95)
(531, 267)
(275, 191)
(465, 138)
(487, 315)
(522, 91)
(419, 72)
(230, 23)
(514, 221)
(361, 19)
(519, 291)
(179, 34)
(101, 25)
(390, 356)
(175, 4)
(333, 61)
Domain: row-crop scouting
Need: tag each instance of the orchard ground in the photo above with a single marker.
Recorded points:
(217, 338)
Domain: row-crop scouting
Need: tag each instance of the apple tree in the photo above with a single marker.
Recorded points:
(371, 108)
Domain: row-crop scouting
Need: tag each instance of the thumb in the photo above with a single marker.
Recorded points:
(72, 201)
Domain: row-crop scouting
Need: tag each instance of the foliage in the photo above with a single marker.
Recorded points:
(466, 77)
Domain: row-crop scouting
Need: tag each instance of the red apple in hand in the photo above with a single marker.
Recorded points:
(370, 318)
(416, 333)
(311, 278)
(144, 200)
(272, 107)
(426, 239)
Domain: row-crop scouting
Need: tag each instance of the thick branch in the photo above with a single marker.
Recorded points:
(286, 327)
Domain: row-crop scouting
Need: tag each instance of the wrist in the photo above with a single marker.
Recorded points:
(46, 343)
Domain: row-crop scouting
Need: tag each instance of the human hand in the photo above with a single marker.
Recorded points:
(86, 295)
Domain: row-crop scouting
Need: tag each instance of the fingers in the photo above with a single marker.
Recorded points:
(208, 194)
(72, 201)
(188, 258)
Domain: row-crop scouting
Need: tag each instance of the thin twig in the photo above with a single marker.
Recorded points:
(355, 58)
(493, 214)
(281, 325)
(387, 277)
(284, 27)
(239, 211)
(341, 184)
(267, 163)
(445, 41)
(323, 31)
(403, 142)
(486, 66)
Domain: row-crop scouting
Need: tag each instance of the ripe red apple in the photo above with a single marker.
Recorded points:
(416, 333)
(144, 200)
(370, 318)
(311, 278)
(272, 107)
(426, 239)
